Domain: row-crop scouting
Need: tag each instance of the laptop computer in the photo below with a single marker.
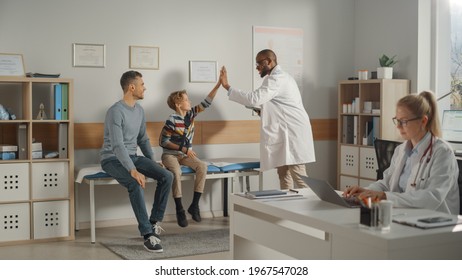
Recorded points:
(327, 193)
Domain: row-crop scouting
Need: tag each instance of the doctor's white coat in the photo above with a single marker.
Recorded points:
(431, 185)
(285, 136)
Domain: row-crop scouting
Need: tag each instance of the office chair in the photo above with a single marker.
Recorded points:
(384, 150)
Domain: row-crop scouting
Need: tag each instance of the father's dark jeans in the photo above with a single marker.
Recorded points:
(148, 168)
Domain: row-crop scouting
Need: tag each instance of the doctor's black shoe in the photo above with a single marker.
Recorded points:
(195, 213)
(181, 218)
(152, 244)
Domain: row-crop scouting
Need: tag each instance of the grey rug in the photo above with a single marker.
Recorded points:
(174, 245)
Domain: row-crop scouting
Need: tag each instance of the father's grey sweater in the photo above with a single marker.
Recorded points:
(124, 131)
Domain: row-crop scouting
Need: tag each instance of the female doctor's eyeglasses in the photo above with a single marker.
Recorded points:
(403, 122)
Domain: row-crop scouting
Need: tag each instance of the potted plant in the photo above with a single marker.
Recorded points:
(385, 71)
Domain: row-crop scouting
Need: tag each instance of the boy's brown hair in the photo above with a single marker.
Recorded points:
(174, 98)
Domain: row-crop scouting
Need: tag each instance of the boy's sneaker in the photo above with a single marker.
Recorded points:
(156, 230)
(152, 244)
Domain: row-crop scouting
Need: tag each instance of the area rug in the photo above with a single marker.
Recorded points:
(174, 245)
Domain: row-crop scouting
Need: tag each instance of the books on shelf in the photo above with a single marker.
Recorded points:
(41, 75)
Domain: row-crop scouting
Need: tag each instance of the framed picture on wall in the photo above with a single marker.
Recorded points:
(89, 55)
(144, 57)
(202, 71)
(11, 64)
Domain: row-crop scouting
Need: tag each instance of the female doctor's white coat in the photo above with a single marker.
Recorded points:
(285, 136)
(433, 180)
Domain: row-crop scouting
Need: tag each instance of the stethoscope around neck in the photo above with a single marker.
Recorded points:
(428, 154)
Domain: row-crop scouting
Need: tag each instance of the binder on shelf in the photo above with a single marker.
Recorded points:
(355, 130)
(369, 133)
(375, 128)
(62, 140)
(58, 101)
(22, 141)
(348, 130)
(64, 101)
(344, 129)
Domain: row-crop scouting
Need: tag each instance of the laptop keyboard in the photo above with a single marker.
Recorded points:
(353, 201)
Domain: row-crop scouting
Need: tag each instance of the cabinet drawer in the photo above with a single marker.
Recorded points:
(349, 160)
(15, 222)
(50, 180)
(346, 182)
(51, 219)
(367, 163)
(14, 182)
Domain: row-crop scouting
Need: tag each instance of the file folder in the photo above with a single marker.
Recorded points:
(58, 101)
(355, 130)
(62, 140)
(64, 101)
(22, 141)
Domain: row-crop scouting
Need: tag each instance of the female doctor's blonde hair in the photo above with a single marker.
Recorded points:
(423, 104)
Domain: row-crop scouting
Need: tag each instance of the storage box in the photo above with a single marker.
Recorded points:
(7, 155)
(8, 148)
(36, 147)
(14, 183)
(51, 219)
(37, 154)
(15, 222)
(50, 180)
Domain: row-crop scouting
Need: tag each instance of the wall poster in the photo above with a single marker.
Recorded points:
(287, 43)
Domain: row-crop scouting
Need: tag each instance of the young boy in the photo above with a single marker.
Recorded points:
(176, 139)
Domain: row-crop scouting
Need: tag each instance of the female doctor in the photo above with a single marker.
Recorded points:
(423, 171)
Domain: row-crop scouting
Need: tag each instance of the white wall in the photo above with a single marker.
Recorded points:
(395, 27)
(44, 31)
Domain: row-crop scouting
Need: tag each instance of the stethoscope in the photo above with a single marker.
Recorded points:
(429, 151)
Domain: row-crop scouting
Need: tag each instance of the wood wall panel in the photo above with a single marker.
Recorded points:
(324, 129)
(230, 132)
(90, 135)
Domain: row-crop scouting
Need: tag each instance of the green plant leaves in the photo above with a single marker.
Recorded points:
(386, 61)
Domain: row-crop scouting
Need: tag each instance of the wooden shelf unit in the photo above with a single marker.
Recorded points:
(36, 193)
(357, 164)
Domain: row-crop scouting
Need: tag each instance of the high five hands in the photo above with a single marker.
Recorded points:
(224, 78)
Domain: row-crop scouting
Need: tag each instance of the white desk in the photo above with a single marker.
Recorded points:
(309, 228)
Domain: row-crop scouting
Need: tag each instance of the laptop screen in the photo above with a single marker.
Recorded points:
(452, 126)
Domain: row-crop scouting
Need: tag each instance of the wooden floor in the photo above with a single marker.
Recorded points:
(82, 249)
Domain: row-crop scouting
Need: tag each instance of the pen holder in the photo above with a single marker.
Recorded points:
(370, 216)
(378, 216)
